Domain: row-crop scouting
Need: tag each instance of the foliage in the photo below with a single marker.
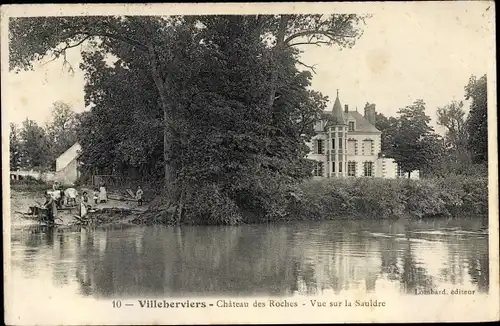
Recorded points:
(386, 198)
(37, 147)
(123, 130)
(388, 126)
(61, 130)
(217, 100)
(477, 122)
(14, 147)
(415, 146)
(452, 117)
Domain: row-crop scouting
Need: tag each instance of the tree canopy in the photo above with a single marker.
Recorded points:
(477, 122)
(415, 145)
(36, 147)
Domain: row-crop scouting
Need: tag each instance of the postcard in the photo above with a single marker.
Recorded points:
(216, 163)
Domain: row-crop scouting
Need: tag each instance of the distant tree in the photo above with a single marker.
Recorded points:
(61, 130)
(388, 127)
(411, 148)
(14, 148)
(453, 118)
(477, 123)
(434, 155)
(457, 158)
(35, 147)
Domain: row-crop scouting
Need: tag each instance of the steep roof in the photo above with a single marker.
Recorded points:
(362, 124)
(68, 156)
(337, 112)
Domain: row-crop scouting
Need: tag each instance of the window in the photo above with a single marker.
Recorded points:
(333, 166)
(351, 169)
(320, 146)
(333, 143)
(351, 147)
(368, 169)
(367, 147)
(351, 125)
(401, 173)
(318, 169)
(340, 142)
(340, 167)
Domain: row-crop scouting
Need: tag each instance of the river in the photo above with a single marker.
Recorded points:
(306, 258)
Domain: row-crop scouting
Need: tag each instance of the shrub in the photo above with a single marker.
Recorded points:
(386, 198)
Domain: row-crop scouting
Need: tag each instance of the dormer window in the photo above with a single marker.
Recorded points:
(351, 125)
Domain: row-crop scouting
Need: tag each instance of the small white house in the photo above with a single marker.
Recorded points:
(67, 165)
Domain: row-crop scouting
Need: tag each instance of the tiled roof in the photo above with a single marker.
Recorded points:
(361, 123)
(337, 112)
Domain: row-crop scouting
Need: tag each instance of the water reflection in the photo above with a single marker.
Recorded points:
(299, 258)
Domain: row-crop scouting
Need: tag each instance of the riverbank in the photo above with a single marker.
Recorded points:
(112, 213)
(386, 198)
(352, 198)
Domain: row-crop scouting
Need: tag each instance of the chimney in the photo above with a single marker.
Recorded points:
(346, 108)
(370, 113)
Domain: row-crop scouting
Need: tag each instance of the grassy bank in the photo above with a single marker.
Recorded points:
(383, 198)
(29, 185)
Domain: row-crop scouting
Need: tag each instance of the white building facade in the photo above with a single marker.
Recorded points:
(347, 144)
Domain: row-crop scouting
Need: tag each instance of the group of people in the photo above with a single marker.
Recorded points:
(56, 198)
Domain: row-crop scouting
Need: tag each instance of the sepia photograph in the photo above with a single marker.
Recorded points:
(249, 163)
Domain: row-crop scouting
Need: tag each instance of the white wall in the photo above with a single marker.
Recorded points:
(318, 157)
(386, 168)
(69, 174)
(44, 176)
(364, 156)
(359, 159)
(67, 157)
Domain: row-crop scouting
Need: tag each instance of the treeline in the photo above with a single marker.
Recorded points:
(215, 106)
(36, 147)
(413, 143)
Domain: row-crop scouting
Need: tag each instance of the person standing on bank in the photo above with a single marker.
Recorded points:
(138, 195)
(85, 198)
(103, 197)
(55, 186)
(96, 196)
(51, 208)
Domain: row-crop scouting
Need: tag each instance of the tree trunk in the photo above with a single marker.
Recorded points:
(160, 85)
(275, 55)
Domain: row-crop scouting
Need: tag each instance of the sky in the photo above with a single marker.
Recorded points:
(406, 53)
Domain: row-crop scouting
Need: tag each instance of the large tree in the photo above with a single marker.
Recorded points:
(224, 90)
(157, 40)
(411, 148)
(477, 123)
